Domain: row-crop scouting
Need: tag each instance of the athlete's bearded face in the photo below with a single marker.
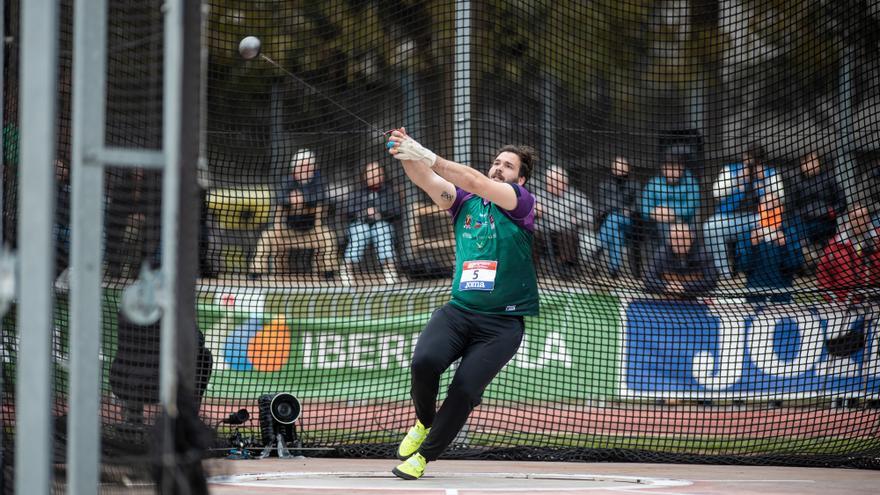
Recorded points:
(505, 168)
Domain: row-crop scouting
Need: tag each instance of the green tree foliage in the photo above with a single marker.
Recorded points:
(617, 55)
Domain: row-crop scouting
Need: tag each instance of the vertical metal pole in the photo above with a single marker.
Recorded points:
(463, 140)
(276, 131)
(845, 166)
(412, 104)
(412, 111)
(87, 219)
(462, 74)
(203, 172)
(180, 214)
(33, 426)
(3, 183)
(697, 105)
(170, 209)
(3, 180)
(548, 119)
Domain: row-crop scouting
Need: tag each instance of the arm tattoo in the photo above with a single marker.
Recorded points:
(445, 195)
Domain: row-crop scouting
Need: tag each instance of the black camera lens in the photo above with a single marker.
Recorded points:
(285, 408)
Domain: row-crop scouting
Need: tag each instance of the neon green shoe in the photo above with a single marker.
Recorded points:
(412, 441)
(412, 468)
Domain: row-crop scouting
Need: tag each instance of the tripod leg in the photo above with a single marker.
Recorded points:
(267, 451)
(283, 453)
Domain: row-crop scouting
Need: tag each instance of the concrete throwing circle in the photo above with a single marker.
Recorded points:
(445, 482)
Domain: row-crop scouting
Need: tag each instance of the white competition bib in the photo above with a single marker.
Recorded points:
(478, 275)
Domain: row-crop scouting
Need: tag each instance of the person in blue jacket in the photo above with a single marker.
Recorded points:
(770, 256)
(737, 191)
(672, 197)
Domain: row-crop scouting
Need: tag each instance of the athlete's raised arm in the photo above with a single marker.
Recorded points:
(441, 191)
(422, 165)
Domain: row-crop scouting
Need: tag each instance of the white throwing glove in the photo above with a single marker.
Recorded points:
(410, 149)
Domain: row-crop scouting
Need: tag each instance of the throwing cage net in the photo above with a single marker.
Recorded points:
(706, 239)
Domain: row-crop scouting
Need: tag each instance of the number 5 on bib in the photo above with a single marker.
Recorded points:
(478, 275)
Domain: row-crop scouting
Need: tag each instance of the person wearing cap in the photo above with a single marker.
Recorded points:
(298, 203)
(669, 198)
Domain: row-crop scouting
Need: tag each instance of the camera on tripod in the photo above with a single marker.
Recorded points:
(278, 415)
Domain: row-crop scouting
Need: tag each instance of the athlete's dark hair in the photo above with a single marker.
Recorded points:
(527, 158)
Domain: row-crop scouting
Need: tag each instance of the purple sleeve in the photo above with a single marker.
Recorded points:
(525, 203)
(524, 212)
(460, 196)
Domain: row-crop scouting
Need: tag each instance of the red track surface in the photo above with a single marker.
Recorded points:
(615, 419)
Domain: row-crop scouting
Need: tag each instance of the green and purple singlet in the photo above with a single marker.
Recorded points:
(494, 273)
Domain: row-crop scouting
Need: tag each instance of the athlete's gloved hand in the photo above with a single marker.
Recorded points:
(407, 148)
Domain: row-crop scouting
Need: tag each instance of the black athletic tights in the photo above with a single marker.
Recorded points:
(485, 343)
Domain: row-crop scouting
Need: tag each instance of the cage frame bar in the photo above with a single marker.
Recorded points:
(87, 220)
(33, 426)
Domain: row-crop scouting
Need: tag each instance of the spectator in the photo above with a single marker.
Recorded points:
(672, 197)
(815, 202)
(564, 221)
(618, 209)
(770, 253)
(371, 209)
(867, 191)
(737, 191)
(851, 260)
(735, 212)
(299, 205)
(681, 267)
(767, 179)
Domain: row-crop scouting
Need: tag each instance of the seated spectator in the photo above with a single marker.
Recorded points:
(371, 209)
(618, 208)
(735, 211)
(770, 253)
(767, 179)
(867, 187)
(867, 191)
(672, 197)
(564, 219)
(681, 267)
(814, 204)
(298, 223)
(851, 260)
(737, 191)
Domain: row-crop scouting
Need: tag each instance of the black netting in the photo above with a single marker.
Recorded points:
(706, 239)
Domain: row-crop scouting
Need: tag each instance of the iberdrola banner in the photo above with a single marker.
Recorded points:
(357, 346)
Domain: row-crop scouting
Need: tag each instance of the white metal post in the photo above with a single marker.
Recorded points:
(33, 426)
(2, 121)
(172, 90)
(87, 220)
(845, 167)
(462, 80)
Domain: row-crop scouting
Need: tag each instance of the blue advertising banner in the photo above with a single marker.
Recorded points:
(676, 349)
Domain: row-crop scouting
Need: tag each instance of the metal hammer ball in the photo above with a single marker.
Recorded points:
(249, 47)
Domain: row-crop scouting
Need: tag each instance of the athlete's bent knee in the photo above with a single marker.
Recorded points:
(465, 394)
(426, 366)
